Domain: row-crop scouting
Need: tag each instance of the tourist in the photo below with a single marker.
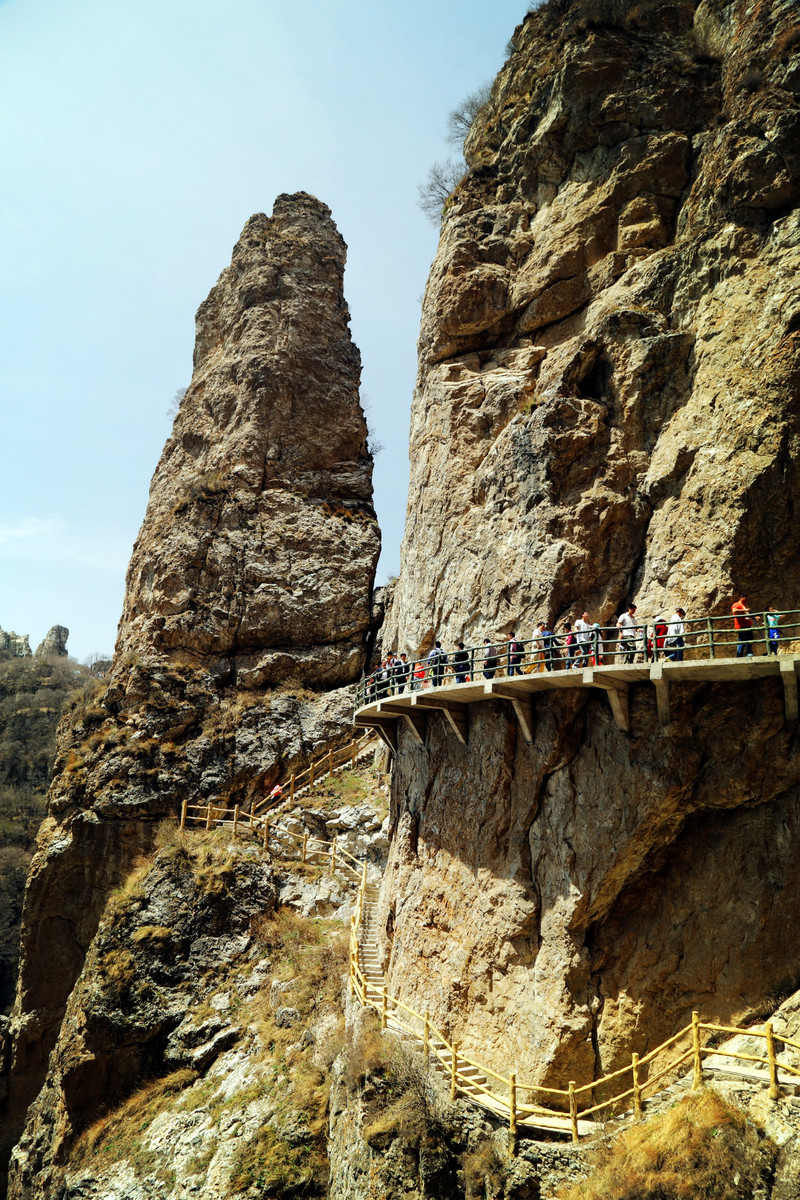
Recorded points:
(437, 661)
(461, 663)
(418, 677)
(402, 673)
(743, 624)
(570, 644)
(674, 642)
(597, 644)
(628, 633)
(491, 659)
(515, 652)
(772, 629)
(583, 632)
(384, 681)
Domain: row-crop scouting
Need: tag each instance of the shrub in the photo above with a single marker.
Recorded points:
(443, 179)
(700, 1149)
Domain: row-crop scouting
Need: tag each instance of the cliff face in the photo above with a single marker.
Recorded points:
(607, 407)
(254, 566)
(607, 402)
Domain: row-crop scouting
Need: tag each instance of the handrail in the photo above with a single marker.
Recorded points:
(708, 637)
(383, 1002)
(318, 769)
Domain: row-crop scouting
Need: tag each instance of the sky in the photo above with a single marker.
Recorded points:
(138, 137)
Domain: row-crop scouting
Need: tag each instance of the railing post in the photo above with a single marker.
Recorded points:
(383, 1007)
(352, 755)
(252, 814)
(426, 1036)
(208, 816)
(305, 843)
(333, 857)
(266, 836)
(710, 624)
(235, 820)
(573, 1110)
(330, 762)
(184, 807)
(311, 771)
(637, 1092)
(291, 788)
(766, 634)
(774, 1090)
(697, 1081)
(512, 1115)
(454, 1072)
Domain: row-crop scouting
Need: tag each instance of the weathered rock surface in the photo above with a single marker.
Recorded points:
(258, 549)
(16, 644)
(606, 404)
(247, 609)
(606, 408)
(54, 643)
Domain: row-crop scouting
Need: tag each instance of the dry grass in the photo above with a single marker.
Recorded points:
(700, 1149)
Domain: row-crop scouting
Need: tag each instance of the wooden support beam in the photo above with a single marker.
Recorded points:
(523, 706)
(617, 695)
(455, 714)
(789, 688)
(662, 693)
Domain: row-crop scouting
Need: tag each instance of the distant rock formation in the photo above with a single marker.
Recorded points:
(16, 644)
(607, 409)
(55, 643)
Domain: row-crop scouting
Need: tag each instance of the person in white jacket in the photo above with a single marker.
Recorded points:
(676, 631)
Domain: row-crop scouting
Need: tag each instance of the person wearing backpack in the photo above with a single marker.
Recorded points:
(491, 660)
(437, 660)
(515, 653)
(461, 663)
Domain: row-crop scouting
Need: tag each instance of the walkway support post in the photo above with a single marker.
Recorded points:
(208, 815)
(697, 1081)
(573, 1110)
(184, 807)
(453, 1072)
(637, 1091)
(305, 843)
(512, 1114)
(774, 1090)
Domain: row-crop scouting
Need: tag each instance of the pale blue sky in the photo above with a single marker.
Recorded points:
(138, 137)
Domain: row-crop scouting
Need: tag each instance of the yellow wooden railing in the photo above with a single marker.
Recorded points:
(574, 1101)
(212, 813)
(508, 1097)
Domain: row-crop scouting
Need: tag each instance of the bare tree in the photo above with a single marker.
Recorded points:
(172, 411)
(443, 178)
(460, 120)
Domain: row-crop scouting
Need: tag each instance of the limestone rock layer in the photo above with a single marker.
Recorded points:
(258, 549)
(607, 409)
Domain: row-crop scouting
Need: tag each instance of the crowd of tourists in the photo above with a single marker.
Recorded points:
(579, 643)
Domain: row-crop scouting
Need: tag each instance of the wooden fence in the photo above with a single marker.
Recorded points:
(516, 1100)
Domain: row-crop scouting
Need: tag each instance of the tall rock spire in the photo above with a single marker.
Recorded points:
(257, 554)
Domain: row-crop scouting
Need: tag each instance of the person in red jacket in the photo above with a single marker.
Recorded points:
(743, 624)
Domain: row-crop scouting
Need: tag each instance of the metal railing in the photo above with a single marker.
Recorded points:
(609, 645)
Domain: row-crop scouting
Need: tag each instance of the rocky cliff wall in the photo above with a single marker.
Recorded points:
(607, 408)
(247, 609)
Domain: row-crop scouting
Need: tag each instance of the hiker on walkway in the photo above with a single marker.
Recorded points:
(437, 661)
(491, 659)
(597, 644)
(418, 677)
(628, 633)
(583, 633)
(743, 624)
(674, 642)
(461, 663)
(772, 629)
(515, 652)
(275, 795)
(570, 643)
(548, 645)
(402, 673)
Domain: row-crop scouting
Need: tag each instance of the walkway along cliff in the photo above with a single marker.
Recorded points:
(247, 611)
(607, 410)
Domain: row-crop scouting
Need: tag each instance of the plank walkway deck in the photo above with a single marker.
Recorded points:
(454, 699)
